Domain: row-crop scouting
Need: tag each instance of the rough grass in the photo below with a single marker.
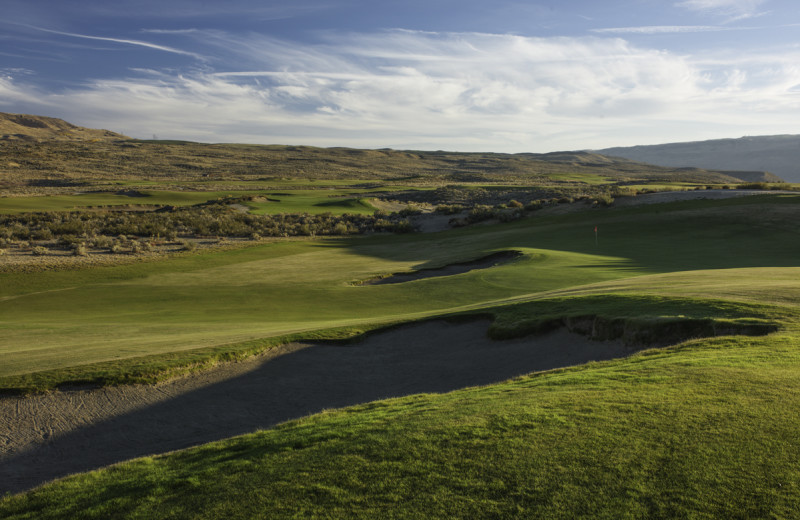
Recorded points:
(704, 430)
(63, 167)
(292, 201)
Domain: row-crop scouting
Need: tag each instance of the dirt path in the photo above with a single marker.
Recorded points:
(50, 436)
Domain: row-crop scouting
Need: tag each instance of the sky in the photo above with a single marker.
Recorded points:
(461, 75)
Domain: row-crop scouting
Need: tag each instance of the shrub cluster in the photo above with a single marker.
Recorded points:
(71, 228)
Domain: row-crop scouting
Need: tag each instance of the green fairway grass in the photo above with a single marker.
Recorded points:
(703, 429)
(91, 324)
(313, 201)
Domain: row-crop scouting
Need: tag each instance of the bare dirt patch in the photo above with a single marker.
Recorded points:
(674, 196)
(464, 267)
(49, 436)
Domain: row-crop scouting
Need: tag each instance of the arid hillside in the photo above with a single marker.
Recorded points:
(25, 127)
(46, 155)
(766, 157)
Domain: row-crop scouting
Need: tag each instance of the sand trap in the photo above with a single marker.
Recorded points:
(50, 436)
(464, 267)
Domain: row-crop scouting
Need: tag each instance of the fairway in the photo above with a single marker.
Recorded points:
(77, 319)
(399, 260)
(715, 281)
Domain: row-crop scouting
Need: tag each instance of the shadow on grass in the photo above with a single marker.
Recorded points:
(680, 236)
(421, 358)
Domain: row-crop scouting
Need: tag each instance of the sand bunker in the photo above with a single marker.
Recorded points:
(464, 267)
(50, 436)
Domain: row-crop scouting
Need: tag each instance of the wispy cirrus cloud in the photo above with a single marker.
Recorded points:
(412, 89)
(124, 41)
(732, 10)
(661, 29)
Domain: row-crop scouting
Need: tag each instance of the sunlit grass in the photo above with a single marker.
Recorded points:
(74, 319)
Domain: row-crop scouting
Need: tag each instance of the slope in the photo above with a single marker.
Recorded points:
(26, 127)
(769, 157)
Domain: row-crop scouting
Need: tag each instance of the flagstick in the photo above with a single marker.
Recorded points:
(595, 236)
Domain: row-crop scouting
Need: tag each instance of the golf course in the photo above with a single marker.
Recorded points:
(426, 260)
(620, 361)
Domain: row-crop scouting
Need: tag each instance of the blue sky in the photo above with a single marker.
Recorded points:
(506, 76)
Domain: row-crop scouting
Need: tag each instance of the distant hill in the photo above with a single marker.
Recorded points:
(25, 127)
(36, 144)
(751, 157)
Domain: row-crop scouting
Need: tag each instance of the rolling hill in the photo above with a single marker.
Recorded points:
(762, 157)
(47, 156)
(25, 127)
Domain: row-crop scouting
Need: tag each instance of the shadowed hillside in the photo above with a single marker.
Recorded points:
(776, 154)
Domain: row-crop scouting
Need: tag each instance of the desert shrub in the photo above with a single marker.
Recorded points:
(42, 234)
(604, 200)
(340, 229)
(619, 191)
(534, 205)
(449, 209)
(409, 211)
(403, 226)
(479, 214)
(69, 227)
(102, 241)
(79, 249)
(97, 227)
(39, 251)
(18, 231)
(514, 204)
(188, 245)
(68, 240)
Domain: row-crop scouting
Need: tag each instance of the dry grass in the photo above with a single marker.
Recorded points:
(65, 167)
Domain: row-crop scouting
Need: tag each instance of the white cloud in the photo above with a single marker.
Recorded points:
(730, 9)
(466, 91)
(661, 29)
(137, 43)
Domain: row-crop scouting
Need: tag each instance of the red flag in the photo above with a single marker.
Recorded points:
(595, 229)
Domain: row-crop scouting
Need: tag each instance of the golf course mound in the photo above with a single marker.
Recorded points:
(485, 262)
